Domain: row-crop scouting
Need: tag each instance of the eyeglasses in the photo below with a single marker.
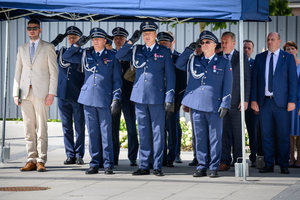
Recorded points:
(33, 28)
(206, 42)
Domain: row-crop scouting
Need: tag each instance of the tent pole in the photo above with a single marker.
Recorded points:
(5, 90)
(266, 33)
(241, 33)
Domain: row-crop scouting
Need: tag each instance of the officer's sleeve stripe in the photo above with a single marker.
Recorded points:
(170, 91)
(225, 97)
(117, 90)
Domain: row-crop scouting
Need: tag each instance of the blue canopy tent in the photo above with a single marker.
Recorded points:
(125, 10)
(137, 10)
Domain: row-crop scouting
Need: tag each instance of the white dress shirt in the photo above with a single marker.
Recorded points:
(275, 59)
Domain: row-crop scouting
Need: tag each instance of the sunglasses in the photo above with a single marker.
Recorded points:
(206, 42)
(33, 28)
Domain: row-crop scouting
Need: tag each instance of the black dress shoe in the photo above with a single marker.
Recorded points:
(170, 164)
(108, 171)
(213, 174)
(133, 163)
(141, 172)
(194, 162)
(284, 170)
(70, 161)
(79, 161)
(267, 169)
(200, 173)
(91, 170)
(253, 164)
(158, 172)
(165, 163)
(178, 160)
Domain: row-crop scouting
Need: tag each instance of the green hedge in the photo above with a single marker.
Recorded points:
(186, 140)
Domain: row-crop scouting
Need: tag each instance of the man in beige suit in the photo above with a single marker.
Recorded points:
(35, 83)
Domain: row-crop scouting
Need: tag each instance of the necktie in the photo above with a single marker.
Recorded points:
(32, 50)
(207, 61)
(149, 49)
(270, 82)
(227, 55)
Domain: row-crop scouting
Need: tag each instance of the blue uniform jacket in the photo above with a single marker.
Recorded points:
(102, 84)
(284, 81)
(155, 81)
(70, 78)
(180, 76)
(213, 89)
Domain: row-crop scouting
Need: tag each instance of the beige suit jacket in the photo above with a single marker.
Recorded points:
(42, 72)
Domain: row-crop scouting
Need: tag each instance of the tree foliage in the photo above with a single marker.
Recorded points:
(279, 8)
(276, 8)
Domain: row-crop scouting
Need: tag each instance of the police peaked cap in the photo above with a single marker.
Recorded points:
(148, 26)
(208, 35)
(109, 39)
(98, 33)
(119, 31)
(165, 36)
(73, 30)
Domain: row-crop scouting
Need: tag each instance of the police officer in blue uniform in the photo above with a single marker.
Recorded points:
(120, 34)
(100, 95)
(153, 87)
(208, 94)
(70, 81)
(171, 134)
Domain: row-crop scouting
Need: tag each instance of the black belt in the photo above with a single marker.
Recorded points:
(269, 97)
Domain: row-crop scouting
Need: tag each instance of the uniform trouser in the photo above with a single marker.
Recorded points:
(170, 138)
(275, 122)
(231, 136)
(252, 127)
(115, 135)
(207, 127)
(35, 116)
(193, 137)
(128, 109)
(98, 121)
(150, 115)
(68, 110)
(178, 135)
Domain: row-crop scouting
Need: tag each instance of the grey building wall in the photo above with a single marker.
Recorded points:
(184, 33)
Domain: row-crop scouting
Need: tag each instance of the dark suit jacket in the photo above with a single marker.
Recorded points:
(284, 81)
(235, 63)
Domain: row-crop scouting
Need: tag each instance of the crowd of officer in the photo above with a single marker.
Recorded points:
(149, 83)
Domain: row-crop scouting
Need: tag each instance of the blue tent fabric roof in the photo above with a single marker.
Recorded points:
(229, 10)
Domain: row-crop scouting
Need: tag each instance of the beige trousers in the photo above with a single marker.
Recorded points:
(35, 116)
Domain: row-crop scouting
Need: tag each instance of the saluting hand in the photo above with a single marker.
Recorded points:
(59, 38)
(83, 40)
(49, 99)
(135, 37)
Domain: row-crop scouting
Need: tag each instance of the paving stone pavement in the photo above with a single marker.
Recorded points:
(71, 182)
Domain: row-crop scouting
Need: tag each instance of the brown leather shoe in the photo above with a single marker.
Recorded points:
(30, 166)
(224, 167)
(41, 167)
